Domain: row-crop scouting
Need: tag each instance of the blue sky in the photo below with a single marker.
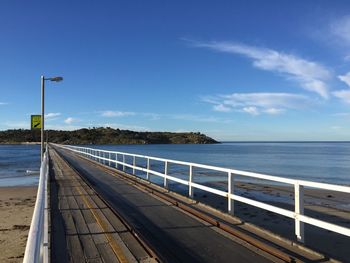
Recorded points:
(248, 70)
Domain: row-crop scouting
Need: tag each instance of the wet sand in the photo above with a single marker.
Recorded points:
(333, 207)
(16, 209)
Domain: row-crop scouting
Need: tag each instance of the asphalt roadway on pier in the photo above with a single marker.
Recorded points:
(174, 235)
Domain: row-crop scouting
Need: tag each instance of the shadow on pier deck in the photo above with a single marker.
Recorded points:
(83, 227)
(98, 215)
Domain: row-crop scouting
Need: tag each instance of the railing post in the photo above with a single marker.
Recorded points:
(116, 163)
(109, 159)
(123, 162)
(46, 217)
(230, 188)
(299, 210)
(133, 164)
(148, 167)
(190, 179)
(165, 174)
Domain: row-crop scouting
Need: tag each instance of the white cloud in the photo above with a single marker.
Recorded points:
(3, 103)
(70, 120)
(221, 108)
(109, 113)
(344, 95)
(345, 78)
(274, 111)
(52, 115)
(251, 110)
(256, 103)
(198, 118)
(309, 74)
(340, 28)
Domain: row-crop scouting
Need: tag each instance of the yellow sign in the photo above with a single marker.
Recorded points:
(35, 122)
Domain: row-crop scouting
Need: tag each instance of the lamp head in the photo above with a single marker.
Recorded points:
(57, 79)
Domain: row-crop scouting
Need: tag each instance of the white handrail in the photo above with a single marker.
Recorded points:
(37, 243)
(297, 214)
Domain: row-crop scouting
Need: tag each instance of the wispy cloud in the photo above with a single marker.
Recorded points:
(52, 115)
(345, 78)
(198, 118)
(221, 108)
(344, 95)
(4, 103)
(310, 75)
(274, 111)
(338, 33)
(251, 110)
(70, 120)
(257, 103)
(340, 28)
(157, 116)
(110, 113)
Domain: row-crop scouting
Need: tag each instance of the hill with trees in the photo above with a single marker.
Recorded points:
(104, 136)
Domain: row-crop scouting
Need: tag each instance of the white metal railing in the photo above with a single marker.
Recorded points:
(298, 214)
(37, 243)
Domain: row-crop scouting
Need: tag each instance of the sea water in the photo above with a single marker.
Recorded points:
(15, 160)
(327, 162)
(315, 161)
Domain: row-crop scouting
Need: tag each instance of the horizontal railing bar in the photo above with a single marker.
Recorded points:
(264, 206)
(209, 189)
(325, 225)
(36, 250)
(325, 186)
(284, 212)
(330, 187)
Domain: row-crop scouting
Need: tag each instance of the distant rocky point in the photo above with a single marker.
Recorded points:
(104, 136)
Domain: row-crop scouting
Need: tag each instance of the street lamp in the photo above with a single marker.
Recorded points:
(56, 79)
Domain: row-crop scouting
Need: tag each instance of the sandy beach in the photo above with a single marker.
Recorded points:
(16, 208)
(329, 206)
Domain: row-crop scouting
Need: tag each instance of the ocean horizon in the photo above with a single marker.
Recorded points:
(327, 162)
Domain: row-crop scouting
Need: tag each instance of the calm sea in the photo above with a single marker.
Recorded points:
(316, 161)
(15, 160)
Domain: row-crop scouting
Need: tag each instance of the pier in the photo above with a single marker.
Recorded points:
(97, 210)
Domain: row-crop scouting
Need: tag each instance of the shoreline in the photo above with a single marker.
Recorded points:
(16, 210)
(20, 143)
(328, 206)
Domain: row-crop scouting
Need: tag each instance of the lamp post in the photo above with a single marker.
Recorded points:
(56, 79)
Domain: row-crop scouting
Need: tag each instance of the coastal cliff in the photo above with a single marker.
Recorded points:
(104, 136)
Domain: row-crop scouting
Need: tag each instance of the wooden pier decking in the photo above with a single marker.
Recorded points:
(83, 227)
